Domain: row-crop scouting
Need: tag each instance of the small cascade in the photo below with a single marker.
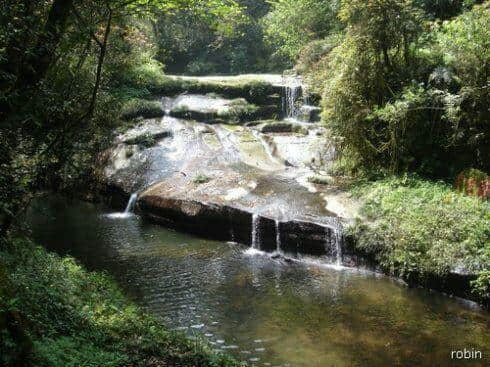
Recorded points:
(292, 91)
(256, 232)
(339, 241)
(335, 241)
(278, 237)
(132, 201)
(128, 212)
(167, 104)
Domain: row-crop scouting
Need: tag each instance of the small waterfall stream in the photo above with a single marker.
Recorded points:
(292, 91)
(128, 212)
(132, 201)
(278, 237)
(339, 239)
(255, 232)
(335, 241)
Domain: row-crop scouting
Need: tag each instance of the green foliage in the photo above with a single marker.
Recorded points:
(75, 352)
(444, 9)
(194, 43)
(399, 96)
(420, 227)
(141, 108)
(313, 61)
(465, 42)
(76, 318)
(481, 285)
(291, 24)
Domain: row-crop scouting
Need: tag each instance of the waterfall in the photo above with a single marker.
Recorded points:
(132, 201)
(167, 104)
(292, 89)
(256, 232)
(335, 241)
(278, 237)
(339, 240)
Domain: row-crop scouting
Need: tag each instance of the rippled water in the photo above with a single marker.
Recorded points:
(267, 311)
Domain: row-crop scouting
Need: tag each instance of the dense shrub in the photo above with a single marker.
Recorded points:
(423, 228)
(195, 43)
(399, 96)
(291, 24)
(444, 9)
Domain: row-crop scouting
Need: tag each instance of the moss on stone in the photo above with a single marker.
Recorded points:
(253, 91)
(321, 180)
(283, 127)
(135, 108)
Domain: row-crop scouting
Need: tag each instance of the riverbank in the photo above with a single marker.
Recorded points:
(80, 318)
(426, 233)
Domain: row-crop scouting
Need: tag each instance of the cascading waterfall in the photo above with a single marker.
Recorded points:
(278, 237)
(255, 232)
(132, 201)
(292, 89)
(339, 240)
(335, 240)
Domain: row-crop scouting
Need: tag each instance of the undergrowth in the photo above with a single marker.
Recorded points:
(79, 318)
(424, 227)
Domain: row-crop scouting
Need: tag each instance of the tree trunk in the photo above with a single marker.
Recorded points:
(100, 64)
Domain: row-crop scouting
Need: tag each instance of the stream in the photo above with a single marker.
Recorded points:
(264, 310)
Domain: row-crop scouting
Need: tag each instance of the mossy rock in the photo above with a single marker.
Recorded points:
(283, 127)
(147, 140)
(257, 92)
(236, 111)
(321, 180)
(141, 108)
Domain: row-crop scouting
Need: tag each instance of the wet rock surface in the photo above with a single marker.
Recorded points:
(212, 179)
(218, 178)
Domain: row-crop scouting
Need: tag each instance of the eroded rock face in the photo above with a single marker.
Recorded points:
(213, 177)
(228, 222)
(212, 180)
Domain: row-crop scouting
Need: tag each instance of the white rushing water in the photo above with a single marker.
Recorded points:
(339, 239)
(132, 201)
(278, 237)
(293, 88)
(128, 212)
(335, 241)
(255, 232)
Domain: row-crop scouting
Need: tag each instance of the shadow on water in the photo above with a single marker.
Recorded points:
(263, 310)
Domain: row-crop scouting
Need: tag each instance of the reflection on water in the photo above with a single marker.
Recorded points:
(263, 310)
